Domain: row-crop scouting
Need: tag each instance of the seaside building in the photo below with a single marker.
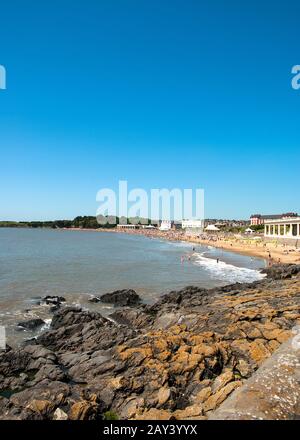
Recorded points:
(212, 228)
(283, 228)
(193, 227)
(258, 219)
(128, 226)
(165, 225)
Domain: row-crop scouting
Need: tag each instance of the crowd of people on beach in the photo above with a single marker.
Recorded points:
(274, 252)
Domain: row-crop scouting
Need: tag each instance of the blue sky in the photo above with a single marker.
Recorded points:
(168, 94)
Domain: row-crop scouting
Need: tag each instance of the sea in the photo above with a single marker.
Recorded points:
(78, 265)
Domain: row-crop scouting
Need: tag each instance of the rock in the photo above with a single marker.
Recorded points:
(163, 395)
(155, 414)
(132, 317)
(59, 414)
(190, 412)
(282, 271)
(222, 380)
(179, 358)
(94, 299)
(216, 399)
(126, 297)
(54, 299)
(39, 406)
(272, 393)
(83, 411)
(203, 395)
(73, 315)
(131, 407)
(32, 324)
(243, 368)
(55, 308)
(259, 351)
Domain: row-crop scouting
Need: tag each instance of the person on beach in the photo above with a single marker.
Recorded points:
(182, 259)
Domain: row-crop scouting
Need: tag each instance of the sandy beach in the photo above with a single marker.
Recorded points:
(272, 251)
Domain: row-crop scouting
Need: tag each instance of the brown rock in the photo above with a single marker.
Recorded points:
(189, 412)
(83, 410)
(132, 407)
(243, 368)
(39, 406)
(258, 351)
(222, 380)
(154, 414)
(216, 399)
(203, 395)
(163, 395)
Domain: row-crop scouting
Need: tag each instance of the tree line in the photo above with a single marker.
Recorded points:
(82, 222)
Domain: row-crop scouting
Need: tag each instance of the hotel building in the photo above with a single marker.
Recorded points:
(258, 219)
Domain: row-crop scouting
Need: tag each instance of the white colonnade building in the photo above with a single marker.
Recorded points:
(287, 228)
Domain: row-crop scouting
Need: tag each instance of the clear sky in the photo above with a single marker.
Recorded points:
(177, 93)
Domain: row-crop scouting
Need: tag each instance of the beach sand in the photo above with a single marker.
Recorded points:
(272, 251)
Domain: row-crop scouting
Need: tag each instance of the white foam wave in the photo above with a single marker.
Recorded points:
(224, 271)
(46, 326)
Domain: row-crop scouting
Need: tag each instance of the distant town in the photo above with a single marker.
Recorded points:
(284, 226)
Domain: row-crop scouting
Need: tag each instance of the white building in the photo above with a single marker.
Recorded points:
(192, 224)
(212, 228)
(283, 228)
(127, 226)
(193, 227)
(165, 225)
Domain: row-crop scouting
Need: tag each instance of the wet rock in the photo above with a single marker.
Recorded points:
(31, 324)
(282, 271)
(54, 299)
(74, 315)
(132, 317)
(179, 358)
(94, 299)
(125, 297)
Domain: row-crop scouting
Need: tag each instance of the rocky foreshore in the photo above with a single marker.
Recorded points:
(180, 358)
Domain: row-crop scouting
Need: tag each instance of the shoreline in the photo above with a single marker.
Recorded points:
(279, 252)
(205, 344)
(273, 252)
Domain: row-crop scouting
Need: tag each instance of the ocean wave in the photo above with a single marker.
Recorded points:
(227, 272)
(46, 326)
